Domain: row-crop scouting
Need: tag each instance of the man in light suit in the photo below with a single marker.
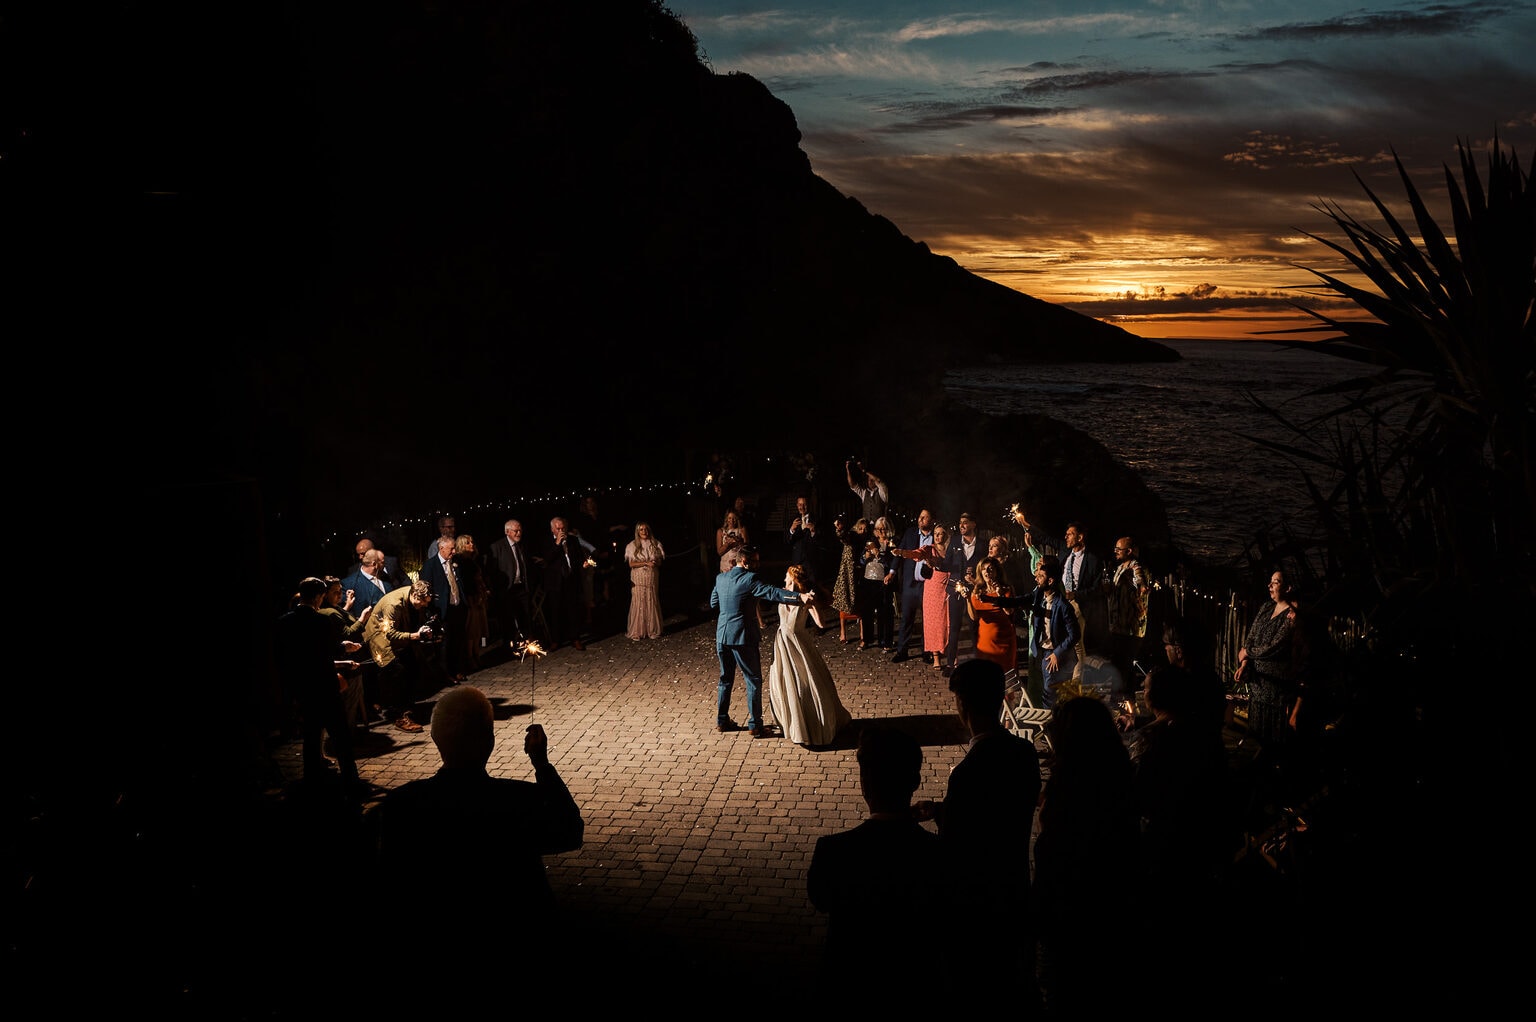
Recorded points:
(738, 636)
(396, 632)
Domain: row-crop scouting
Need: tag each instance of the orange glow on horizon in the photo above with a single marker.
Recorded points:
(1231, 328)
(1184, 303)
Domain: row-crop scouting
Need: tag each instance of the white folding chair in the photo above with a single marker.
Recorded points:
(1022, 715)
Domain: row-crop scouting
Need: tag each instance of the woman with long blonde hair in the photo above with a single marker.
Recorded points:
(731, 535)
(644, 556)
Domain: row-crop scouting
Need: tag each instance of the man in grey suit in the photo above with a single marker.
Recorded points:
(738, 636)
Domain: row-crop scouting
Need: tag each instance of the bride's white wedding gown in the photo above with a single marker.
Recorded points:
(801, 692)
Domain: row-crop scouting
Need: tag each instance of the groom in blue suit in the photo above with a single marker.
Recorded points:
(738, 637)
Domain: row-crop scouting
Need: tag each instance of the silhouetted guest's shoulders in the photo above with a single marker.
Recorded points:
(882, 885)
(459, 817)
(1000, 767)
(989, 807)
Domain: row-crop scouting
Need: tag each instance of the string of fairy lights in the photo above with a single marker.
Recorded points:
(508, 505)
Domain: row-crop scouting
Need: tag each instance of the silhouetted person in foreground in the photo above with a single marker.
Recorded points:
(882, 885)
(461, 819)
(1088, 835)
(306, 647)
(985, 823)
(1189, 833)
(1189, 644)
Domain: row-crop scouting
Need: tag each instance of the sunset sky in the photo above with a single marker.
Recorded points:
(1154, 164)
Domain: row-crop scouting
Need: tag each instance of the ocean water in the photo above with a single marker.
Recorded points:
(1183, 426)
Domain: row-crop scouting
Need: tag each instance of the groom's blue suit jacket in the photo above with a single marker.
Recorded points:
(732, 596)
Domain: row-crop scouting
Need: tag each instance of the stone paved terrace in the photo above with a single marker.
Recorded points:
(697, 842)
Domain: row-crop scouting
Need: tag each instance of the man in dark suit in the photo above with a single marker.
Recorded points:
(307, 650)
(738, 636)
(390, 570)
(806, 547)
(452, 606)
(882, 884)
(1082, 580)
(966, 550)
(910, 585)
(513, 584)
(563, 605)
(368, 584)
(1053, 631)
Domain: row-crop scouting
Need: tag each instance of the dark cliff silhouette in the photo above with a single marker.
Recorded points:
(493, 213)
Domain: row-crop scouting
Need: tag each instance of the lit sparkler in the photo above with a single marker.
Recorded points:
(529, 648)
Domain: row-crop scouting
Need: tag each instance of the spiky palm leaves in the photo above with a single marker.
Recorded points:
(1436, 491)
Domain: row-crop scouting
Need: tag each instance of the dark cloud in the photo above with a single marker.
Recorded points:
(1427, 20)
(944, 116)
(1038, 66)
(1270, 66)
(1201, 300)
(1100, 80)
(1265, 150)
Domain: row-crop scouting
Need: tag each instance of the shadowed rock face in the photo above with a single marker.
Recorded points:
(448, 241)
(952, 459)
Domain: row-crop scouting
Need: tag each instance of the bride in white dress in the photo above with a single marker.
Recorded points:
(800, 688)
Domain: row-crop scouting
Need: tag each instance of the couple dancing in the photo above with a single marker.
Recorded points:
(800, 687)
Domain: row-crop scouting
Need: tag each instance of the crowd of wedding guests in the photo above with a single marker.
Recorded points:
(903, 582)
(1138, 798)
(418, 622)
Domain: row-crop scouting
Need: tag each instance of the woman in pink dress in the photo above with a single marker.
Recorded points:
(933, 566)
(644, 555)
(731, 534)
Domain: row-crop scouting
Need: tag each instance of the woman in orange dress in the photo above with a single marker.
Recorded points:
(996, 639)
